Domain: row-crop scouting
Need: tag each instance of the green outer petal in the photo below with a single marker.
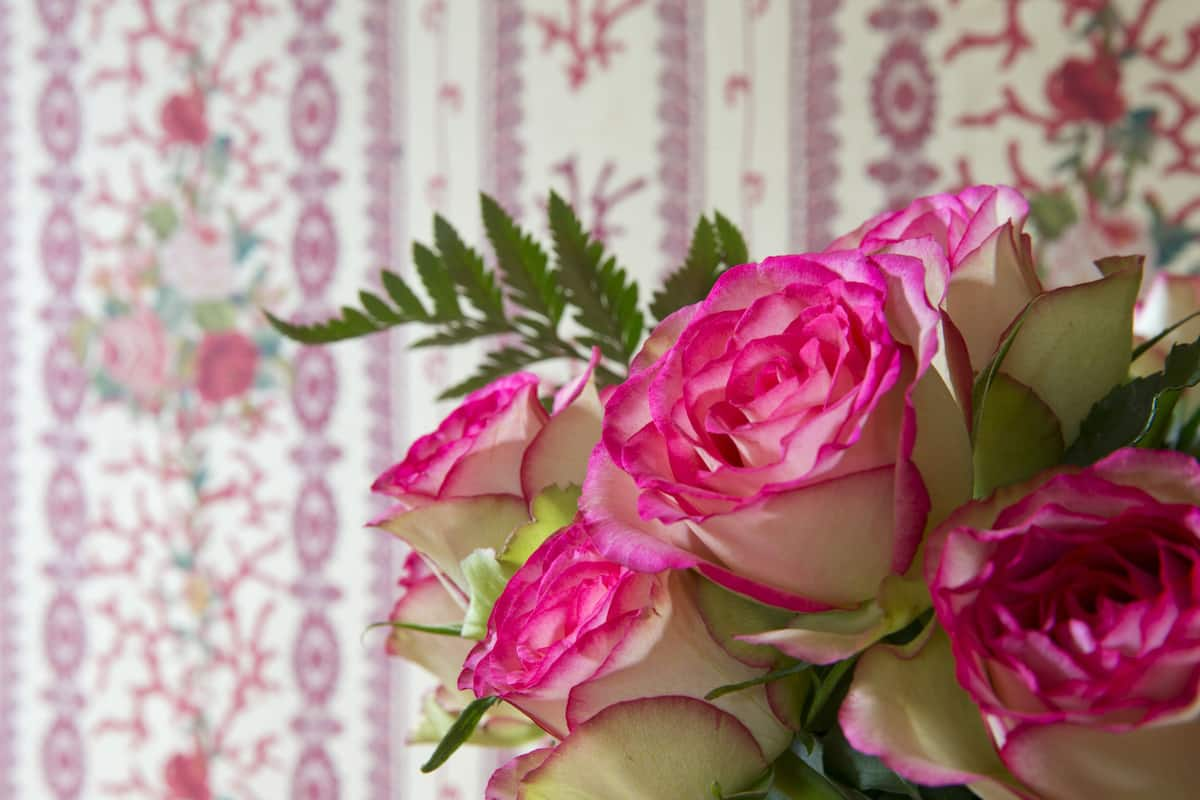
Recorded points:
(728, 614)
(553, 509)
(988, 290)
(942, 450)
(828, 636)
(448, 531)
(1016, 436)
(666, 748)
(486, 579)
(905, 706)
(1074, 761)
(1073, 345)
(558, 455)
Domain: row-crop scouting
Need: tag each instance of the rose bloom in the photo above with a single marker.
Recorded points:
(989, 275)
(475, 450)
(1087, 90)
(573, 633)
(133, 351)
(468, 484)
(225, 365)
(1072, 608)
(198, 262)
(183, 120)
(788, 436)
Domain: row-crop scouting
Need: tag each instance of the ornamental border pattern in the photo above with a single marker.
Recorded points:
(500, 104)
(813, 141)
(904, 98)
(9, 594)
(387, 691)
(681, 153)
(64, 627)
(313, 114)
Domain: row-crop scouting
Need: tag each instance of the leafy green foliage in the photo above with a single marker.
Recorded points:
(525, 267)
(1133, 411)
(774, 675)
(605, 298)
(716, 246)
(525, 297)
(459, 732)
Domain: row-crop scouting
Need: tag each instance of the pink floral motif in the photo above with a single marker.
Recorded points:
(185, 591)
(198, 261)
(183, 119)
(225, 366)
(186, 776)
(601, 200)
(134, 351)
(1119, 97)
(586, 53)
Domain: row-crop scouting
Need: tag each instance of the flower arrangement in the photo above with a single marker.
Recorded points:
(888, 520)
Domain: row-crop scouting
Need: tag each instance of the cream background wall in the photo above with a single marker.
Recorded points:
(184, 574)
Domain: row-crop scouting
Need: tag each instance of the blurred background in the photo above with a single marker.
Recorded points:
(185, 577)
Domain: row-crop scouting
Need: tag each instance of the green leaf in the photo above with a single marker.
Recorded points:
(378, 309)
(436, 630)
(733, 244)
(796, 780)
(849, 766)
(775, 675)
(351, 324)
(606, 299)
(459, 732)
(1127, 414)
(691, 282)
(1158, 337)
(162, 219)
(404, 298)
(467, 270)
(496, 363)
(437, 282)
(832, 687)
(523, 263)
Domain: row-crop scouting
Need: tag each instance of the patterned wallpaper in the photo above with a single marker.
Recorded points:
(185, 579)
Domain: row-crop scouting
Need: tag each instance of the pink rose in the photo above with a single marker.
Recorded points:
(573, 634)
(476, 450)
(183, 118)
(225, 365)
(425, 600)
(468, 484)
(959, 223)
(788, 436)
(198, 261)
(989, 275)
(1072, 610)
(187, 777)
(133, 350)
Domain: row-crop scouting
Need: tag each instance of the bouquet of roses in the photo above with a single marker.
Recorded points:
(889, 520)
